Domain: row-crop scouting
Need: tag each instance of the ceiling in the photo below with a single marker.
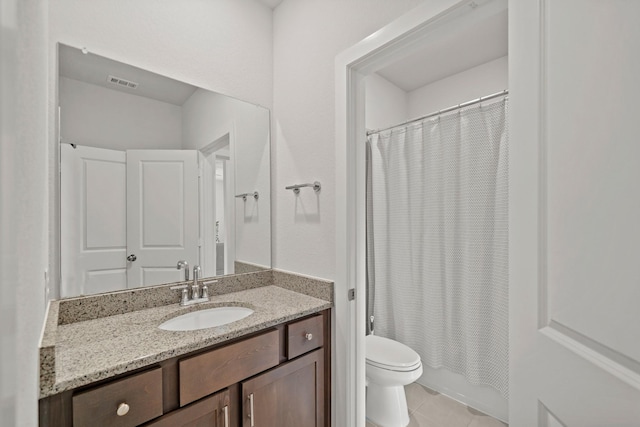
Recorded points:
(472, 46)
(271, 3)
(95, 69)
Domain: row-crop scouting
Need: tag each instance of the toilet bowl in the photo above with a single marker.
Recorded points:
(390, 366)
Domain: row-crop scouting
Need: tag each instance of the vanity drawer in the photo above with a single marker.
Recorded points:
(99, 406)
(206, 373)
(304, 336)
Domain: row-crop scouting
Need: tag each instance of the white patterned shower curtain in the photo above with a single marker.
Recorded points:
(438, 240)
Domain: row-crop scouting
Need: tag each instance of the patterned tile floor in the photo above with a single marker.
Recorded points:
(428, 408)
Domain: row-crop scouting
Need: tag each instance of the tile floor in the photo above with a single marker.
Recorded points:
(428, 408)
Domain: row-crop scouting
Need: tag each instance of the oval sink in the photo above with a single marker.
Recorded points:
(208, 318)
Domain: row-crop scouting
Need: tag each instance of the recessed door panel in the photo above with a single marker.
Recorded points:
(104, 199)
(593, 170)
(162, 203)
(98, 281)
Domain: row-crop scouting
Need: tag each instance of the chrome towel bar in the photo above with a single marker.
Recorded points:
(245, 195)
(296, 188)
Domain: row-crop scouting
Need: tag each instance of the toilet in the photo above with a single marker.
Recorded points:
(390, 366)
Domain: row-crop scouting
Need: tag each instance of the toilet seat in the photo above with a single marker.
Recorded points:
(389, 354)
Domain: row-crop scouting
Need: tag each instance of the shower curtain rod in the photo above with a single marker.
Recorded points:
(446, 110)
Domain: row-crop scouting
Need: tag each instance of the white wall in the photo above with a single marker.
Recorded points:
(23, 205)
(388, 105)
(385, 103)
(473, 83)
(99, 117)
(307, 37)
(208, 116)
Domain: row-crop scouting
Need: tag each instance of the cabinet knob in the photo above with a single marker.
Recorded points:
(308, 336)
(132, 258)
(123, 409)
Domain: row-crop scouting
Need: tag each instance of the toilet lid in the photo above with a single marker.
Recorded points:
(390, 354)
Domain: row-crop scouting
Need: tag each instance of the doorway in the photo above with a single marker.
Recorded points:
(427, 25)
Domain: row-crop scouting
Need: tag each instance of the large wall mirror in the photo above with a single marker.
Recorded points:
(154, 171)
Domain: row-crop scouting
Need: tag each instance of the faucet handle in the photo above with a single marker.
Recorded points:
(205, 292)
(196, 272)
(185, 293)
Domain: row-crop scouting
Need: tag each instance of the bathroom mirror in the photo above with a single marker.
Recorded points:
(154, 171)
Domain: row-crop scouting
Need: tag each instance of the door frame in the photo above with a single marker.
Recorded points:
(400, 38)
(224, 141)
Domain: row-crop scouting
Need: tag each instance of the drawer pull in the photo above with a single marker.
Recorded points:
(251, 410)
(226, 415)
(123, 409)
(308, 336)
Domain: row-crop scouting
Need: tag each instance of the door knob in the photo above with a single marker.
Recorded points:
(132, 257)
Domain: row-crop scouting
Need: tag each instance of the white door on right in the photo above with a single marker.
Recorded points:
(574, 212)
(162, 214)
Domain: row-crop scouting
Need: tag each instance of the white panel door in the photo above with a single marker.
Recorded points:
(162, 214)
(574, 212)
(93, 220)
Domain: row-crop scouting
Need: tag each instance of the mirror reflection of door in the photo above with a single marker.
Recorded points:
(162, 214)
(93, 220)
(221, 235)
(128, 216)
(217, 224)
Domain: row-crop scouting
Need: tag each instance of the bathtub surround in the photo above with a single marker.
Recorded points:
(74, 328)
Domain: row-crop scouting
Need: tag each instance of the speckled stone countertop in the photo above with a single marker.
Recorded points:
(86, 351)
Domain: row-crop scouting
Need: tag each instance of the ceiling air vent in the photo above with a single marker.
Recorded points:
(122, 82)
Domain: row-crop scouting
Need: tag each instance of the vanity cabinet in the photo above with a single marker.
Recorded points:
(202, 374)
(291, 395)
(123, 403)
(212, 411)
(276, 377)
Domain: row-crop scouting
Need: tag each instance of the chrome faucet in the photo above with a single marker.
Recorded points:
(195, 288)
(195, 297)
(184, 264)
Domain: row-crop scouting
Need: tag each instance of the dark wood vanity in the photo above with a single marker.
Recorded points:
(277, 377)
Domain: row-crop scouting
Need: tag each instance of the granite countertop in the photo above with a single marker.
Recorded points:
(87, 351)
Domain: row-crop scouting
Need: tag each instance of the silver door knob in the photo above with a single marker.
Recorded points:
(308, 336)
(132, 257)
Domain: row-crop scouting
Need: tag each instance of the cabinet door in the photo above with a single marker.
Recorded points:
(291, 395)
(212, 411)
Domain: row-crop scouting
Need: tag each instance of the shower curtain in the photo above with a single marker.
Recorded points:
(437, 240)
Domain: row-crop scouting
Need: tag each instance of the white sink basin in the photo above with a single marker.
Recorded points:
(208, 318)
